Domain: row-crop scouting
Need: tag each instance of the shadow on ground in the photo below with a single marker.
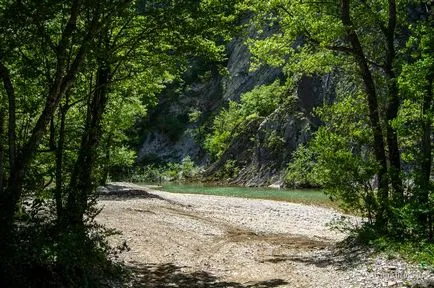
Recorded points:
(343, 256)
(169, 275)
(120, 192)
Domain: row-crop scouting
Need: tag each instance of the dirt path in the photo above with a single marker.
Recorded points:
(179, 240)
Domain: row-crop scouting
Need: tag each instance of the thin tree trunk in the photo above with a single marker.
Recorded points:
(392, 108)
(9, 88)
(106, 164)
(379, 147)
(2, 119)
(59, 160)
(52, 140)
(426, 151)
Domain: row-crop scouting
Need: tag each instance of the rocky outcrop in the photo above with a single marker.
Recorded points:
(169, 134)
(260, 154)
(240, 79)
(205, 90)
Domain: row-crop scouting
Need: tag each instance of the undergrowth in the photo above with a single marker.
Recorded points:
(418, 251)
(46, 254)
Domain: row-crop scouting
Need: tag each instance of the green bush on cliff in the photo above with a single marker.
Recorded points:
(260, 102)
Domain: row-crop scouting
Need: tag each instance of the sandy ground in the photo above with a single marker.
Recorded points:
(181, 240)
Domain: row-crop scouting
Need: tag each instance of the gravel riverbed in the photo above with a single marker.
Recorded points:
(184, 240)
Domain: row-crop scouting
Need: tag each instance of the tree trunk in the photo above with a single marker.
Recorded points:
(59, 160)
(63, 80)
(52, 140)
(2, 145)
(82, 179)
(9, 201)
(392, 109)
(426, 155)
(106, 164)
(10, 91)
(379, 147)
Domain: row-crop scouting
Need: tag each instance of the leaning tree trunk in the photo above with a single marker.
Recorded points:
(374, 117)
(82, 182)
(8, 199)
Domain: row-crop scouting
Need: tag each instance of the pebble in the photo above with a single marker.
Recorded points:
(263, 217)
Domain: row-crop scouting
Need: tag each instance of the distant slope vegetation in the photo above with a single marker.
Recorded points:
(257, 150)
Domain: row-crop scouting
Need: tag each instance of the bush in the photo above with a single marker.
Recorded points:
(228, 124)
(46, 254)
(186, 170)
(338, 157)
(229, 170)
(147, 174)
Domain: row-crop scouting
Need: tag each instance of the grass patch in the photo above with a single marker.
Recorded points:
(416, 252)
(422, 253)
(305, 196)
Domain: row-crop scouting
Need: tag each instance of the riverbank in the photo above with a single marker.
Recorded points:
(185, 240)
(304, 196)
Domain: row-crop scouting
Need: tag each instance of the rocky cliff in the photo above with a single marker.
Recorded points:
(204, 89)
(262, 152)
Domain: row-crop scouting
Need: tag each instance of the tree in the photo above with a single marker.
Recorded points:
(68, 70)
(65, 53)
(349, 37)
(415, 119)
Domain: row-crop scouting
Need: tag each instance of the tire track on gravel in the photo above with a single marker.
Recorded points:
(187, 241)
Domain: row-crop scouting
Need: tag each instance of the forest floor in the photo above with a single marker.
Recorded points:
(184, 240)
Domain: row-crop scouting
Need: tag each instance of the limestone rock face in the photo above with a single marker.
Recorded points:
(267, 146)
(170, 135)
(204, 90)
(263, 151)
(240, 80)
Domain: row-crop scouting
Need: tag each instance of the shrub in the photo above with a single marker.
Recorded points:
(181, 171)
(46, 254)
(338, 157)
(228, 124)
